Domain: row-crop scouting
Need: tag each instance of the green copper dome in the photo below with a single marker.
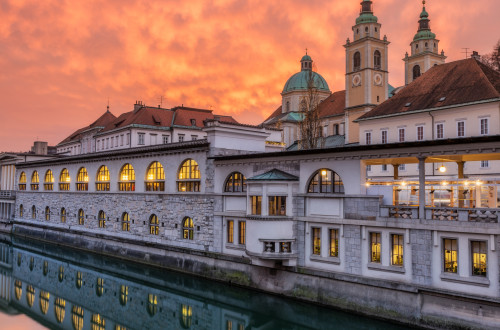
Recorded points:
(299, 81)
(366, 18)
(424, 34)
(424, 27)
(306, 58)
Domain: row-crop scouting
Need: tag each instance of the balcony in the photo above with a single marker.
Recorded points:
(485, 215)
(276, 250)
(7, 194)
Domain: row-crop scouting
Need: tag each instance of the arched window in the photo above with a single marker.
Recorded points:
(60, 275)
(99, 288)
(33, 212)
(125, 222)
(63, 215)
(152, 304)
(235, 182)
(123, 295)
(303, 106)
(47, 213)
(102, 219)
(60, 309)
(98, 322)
(30, 295)
(102, 179)
(154, 225)
(287, 106)
(22, 181)
(127, 178)
(21, 210)
(186, 316)
(48, 182)
(187, 228)
(82, 180)
(155, 177)
(32, 263)
(357, 61)
(64, 180)
(416, 72)
(45, 268)
(189, 176)
(44, 301)
(325, 181)
(377, 59)
(18, 288)
(77, 317)
(35, 180)
(79, 280)
(81, 217)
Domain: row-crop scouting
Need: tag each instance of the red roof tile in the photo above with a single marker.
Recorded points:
(149, 116)
(102, 121)
(333, 105)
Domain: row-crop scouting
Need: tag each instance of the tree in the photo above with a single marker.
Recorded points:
(493, 59)
(310, 126)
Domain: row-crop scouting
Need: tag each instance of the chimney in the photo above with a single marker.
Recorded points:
(39, 148)
(475, 55)
(138, 105)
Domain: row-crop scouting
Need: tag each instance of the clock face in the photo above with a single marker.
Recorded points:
(356, 80)
(377, 79)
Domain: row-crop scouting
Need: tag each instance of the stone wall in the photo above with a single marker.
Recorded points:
(361, 208)
(352, 238)
(421, 257)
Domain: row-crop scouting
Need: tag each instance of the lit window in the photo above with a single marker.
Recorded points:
(21, 210)
(357, 61)
(22, 181)
(236, 182)
(375, 247)
(81, 217)
(186, 313)
(189, 176)
(60, 275)
(384, 137)
(187, 228)
(440, 131)
(47, 213)
(127, 178)
(377, 59)
(102, 179)
(368, 138)
(460, 128)
(102, 219)
(44, 301)
(123, 295)
(420, 133)
(242, 232)
(484, 126)
(152, 304)
(125, 222)
(154, 225)
(397, 250)
(277, 205)
(99, 289)
(325, 181)
(77, 317)
(98, 322)
(141, 138)
(63, 215)
(30, 295)
(316, 241)
(450, 251)
(60, 309)
(79, 280)
(35, 180)
(230, 231)
(256, 204)
(64, 180)
(18, 288)
(33, 212)
(82, 180)
(155, 177)
(402, 135)
(478, 251)
(334, 243)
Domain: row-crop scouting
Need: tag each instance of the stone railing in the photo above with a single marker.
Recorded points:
(277, 249)
(484, 215)
(441, 213)
(399, 212)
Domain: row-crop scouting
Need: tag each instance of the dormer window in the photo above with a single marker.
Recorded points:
(193, 122)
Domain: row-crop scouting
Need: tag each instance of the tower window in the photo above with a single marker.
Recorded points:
(416, 72)
(377, 59)
(357, 61)
(376, 30)
(366, 29)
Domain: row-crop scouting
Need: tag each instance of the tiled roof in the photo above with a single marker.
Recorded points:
(333, 105)
(275, 115)
(102, 121)
(450, 84)
(332, 141)
(149, 116)
(274, 175)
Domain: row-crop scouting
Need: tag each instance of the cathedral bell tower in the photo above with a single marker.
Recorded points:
(424, 50)
(366, 81)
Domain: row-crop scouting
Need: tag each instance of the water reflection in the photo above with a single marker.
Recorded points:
(73, 290)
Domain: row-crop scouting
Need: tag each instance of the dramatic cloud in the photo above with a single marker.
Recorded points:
(62, 59)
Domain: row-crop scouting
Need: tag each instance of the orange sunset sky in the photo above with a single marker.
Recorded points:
(61, 60)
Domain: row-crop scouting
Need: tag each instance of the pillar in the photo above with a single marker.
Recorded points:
(461, 195)
(395, 195)
(421, 187)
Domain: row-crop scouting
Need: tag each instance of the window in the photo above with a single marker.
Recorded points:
(127, 141)
(316, 241)
(235, 182)
(303, 106)
(336, 129)
(22, 181)
(154, 225)
(155, 177)
(416, 72)
(287, 106)
(189, 176)
(460, 128)
(230, 231)
(112, 141)
(375, 243)
(187, 228)
(357, 61)
(102, 219)
(102, 179)
(60, 309)
(33, 212)
(44, 301)
(277, 205)
(334, 242)
(402, 135)
(127, 178)
(256, 204)
(368, 138)
(123, 295)
(181, 137)
(194, 137)
(64, 180)
(377, 59)
(81, 217)
(242, 232)
(484, 126)
(439, 131)
(21, 210)
(79, 280)
(99, 288)
(384, 137)
(47, 213)
(397, 250)
(140, 138)
(165, 139)
(60, 275)
(121, 140)
(125, 222)
(478, 251)
(48, 183)
(82, 180)
(45, 268)
(187, 314)
(325, 181)
(402, 167)
(368, 168)
(77, 317)
(98, 322)
(420, 133)
(30, 295)
(35, 180)
(18, 285)
(152, 304)
(450, 253)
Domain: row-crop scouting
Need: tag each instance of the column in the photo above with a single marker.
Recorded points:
(460, 175)
(395, 194)
(421, 187)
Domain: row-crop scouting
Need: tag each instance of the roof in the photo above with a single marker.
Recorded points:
(332, 141)
(274, 175)
(102, 121)
(300, 81)
(452, 84)
(333, 105)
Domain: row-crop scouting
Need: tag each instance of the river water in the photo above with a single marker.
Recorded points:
(45, 286)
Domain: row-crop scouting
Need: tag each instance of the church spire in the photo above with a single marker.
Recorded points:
(424, 26)
(306, 63)
(366, 13)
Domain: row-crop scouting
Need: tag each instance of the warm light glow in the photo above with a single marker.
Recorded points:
(86, 179)
(323, 172)
(442, 168)
(403, 184)
(444, 183)
(466, 183)
(367, 184)
(150, 176)
(478, 183)
(125, 177)
(67, 179)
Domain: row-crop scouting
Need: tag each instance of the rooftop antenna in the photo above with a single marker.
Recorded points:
(161, 100)
(466, 52)
(107, 107)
